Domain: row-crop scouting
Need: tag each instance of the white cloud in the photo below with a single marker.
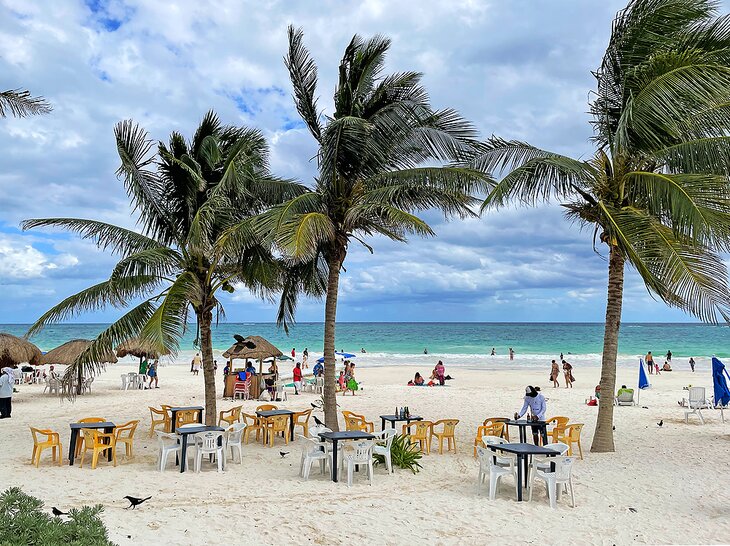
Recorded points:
(22, 261)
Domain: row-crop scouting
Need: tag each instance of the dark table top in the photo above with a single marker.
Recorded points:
(186, 408)
(346, 435)
(198, 428)
(399, 418)
(523, 449)
(105, 424)
(271, 413)
(525, 423)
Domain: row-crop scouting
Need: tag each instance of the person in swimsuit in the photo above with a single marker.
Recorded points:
(554, 374)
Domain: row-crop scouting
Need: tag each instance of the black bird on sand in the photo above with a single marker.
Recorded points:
(316, 420)
(57, 512)
(661, 423)
(134, 501)
(283, 453)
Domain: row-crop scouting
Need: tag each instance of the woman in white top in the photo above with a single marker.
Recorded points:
(535, 401)
(7, 379)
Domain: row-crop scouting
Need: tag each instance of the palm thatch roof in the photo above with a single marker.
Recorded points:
(67, 353)
(252, 347)
(16, 350)
(139, 348)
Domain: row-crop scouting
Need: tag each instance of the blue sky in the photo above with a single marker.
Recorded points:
(518, 69)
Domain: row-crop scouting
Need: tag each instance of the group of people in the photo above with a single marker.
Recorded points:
(346, 381)
(438, 375)
(653, 367)
(147, 369)
(305, 357)
(567, 373)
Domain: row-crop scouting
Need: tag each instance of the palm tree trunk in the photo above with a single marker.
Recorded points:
(603, 437)
(330, 319)
(206, 347)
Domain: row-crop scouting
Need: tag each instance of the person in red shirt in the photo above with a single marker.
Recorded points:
(294, 353)
(297, 378)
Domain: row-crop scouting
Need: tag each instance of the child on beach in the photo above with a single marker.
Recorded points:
(341, 381)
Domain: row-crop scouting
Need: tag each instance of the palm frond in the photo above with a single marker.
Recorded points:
(19, 103)
(302, 235)
(303, 74)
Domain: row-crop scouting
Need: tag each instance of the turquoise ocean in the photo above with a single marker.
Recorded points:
(460, 344)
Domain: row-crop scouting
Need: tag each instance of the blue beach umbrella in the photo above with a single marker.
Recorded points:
(643, 380)
(722, 393)
(343, 355)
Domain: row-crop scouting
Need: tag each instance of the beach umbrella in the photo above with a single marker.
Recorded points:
(16, 350)
(69, 352)
(337, 353)
(139, 348)
(643, 380)
(722, 393)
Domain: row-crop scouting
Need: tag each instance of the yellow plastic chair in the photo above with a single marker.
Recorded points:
(447, 433)
(98, 442)
(267, 407)
(421, 436)
(125, 434)
(52, 440)
(186, 417)
(253, 423)
(276, 424)
(490, 427)
(366, 426)
(301, 419)
(159, 418)
(230, 416)
(571, 436)
(559, 423)
(80, 437)
(356, 423)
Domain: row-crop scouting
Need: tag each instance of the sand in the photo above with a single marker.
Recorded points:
(663, 485)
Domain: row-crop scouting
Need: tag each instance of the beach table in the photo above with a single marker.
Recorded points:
(75, 427)
(186, 431)
(335, 437)
(522, 424)
(271, 413)
(173, 414)
(523, 451)
(393, 419)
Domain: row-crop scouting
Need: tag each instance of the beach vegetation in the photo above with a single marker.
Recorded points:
(403, 454)
(20, 104)
(655, 192)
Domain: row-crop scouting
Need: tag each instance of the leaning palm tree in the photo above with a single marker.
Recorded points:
(20, 103)
(656, 191)
(187, 195)
(371, 177)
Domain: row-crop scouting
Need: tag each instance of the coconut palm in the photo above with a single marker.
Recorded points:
(656, 191)
(371, 177)
(20, 103)
(186, 195)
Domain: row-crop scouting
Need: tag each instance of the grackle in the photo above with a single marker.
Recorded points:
(134, 501)
(57, 512)
(283, 453)
(661, 423)
(316, 420)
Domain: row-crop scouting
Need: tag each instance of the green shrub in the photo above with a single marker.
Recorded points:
(403, 454)
(23, 522)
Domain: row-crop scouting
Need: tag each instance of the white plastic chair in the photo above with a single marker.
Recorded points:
(209, 443)
(168, 443)
(540, 462)
(502, 460)
(383, 449)
(697, 401)
(563, 475)
(234, 440)
(489, 465)
(280, 391)
(125, 381)
(313, 451)
(361, 454)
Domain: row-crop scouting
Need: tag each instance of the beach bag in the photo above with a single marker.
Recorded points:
(265, 396)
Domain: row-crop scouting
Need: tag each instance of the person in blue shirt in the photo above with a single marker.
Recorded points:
(318, 370)
(250, 368)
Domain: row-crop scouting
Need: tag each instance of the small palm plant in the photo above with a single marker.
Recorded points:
(403, 454)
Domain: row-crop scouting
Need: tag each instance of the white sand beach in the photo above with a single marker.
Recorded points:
(663, 485)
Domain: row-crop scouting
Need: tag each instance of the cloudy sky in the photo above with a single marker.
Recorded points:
(517, 69)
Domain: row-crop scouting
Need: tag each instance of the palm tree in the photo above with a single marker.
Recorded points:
(20, 104)
(371, 177)
(187, 195)
(656, 190)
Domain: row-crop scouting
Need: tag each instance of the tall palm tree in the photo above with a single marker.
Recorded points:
(656, 191)
(187, 196)
(20, 103)
(371, 177)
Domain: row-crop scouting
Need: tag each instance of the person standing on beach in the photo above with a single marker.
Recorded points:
(511, 354)
(669, 356)
(305, 358)
(649, 362)
(197, 361)
(143, 366)
(535, 401)
(568, 373)
(554, 374)
(692, 363)
(493, 352)
(152, 372)
(561, 356)
(294, 352)
(7, 379)
(297, 375)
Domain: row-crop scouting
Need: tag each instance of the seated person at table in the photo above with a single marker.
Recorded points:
(417, 380)
(666, 367)
(535, 401)
(318, 370)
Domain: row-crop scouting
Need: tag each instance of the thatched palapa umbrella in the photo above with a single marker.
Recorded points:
(67, 354)
(139, 348)
(16, 350)
(252, 348)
